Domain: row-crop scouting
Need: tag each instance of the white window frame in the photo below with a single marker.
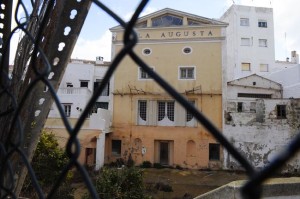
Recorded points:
(144, 49)
(140, 72)
(165, 121)
(186, 67)
(84, 81)
(263, 66)
(244, 63)
(245, 41)
(189, 118)
(140, 120)
(244, 21)
(262, 23)
(187, 47)
(67, 109)
(262, 42)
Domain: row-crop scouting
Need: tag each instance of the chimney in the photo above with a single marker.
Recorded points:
(294, 57)
(99, 60)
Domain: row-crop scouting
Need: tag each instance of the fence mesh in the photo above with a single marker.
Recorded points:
(43, 53)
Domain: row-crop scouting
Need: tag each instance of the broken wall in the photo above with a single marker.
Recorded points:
(262, 133)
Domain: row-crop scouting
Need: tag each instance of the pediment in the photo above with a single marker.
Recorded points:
(173, 18)
(254, 81)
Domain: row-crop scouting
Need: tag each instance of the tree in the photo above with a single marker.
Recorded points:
(40, 61)
(48, 162)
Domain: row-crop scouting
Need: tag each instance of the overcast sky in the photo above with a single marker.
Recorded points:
(95, 38)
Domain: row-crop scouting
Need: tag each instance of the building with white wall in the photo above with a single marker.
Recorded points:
(259, 122)
(80, 80)
(250, 41)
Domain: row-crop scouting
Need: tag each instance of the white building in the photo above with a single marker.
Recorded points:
(259, 122)
(287, 73)
(250, 41)
(80, 80)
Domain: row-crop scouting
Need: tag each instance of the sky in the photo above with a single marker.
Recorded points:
(95, 37)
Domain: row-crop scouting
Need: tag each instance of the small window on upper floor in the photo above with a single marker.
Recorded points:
(263, 43)
(167, 20)
(187, 72)
(187, 50)
(244, 21)
(146, 51)
(245, 41)
(141, 25)
(192, 22)
(143, 74)
(246, 66)
(262, 24)
(84, 83)
(264, 68)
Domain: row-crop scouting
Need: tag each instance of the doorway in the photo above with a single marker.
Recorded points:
(164, 153)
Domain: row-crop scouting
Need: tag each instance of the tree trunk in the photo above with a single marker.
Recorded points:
(47, 26)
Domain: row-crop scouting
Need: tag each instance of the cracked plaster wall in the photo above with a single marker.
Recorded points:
(260, 135)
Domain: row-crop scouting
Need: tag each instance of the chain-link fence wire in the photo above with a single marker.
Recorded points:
(38, 47)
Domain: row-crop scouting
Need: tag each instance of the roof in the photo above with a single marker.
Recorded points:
(255, 80)
(173, 12)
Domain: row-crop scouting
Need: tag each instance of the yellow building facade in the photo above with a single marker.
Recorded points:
(187, 51)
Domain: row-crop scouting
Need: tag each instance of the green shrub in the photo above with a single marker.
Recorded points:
(146, 164)
(122, 183)
(157, 165)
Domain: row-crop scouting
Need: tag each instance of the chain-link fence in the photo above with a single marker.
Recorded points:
(43, 53)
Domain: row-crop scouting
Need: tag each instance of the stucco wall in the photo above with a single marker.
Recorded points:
(261, 135)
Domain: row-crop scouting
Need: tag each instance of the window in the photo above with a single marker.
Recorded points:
(69, 84)
(83, 83)
(189, 116)
(147, 51)
(105, 91)
(262, 24)
(194, 23)
(246, 67)
(244, 22)
(253, 107)
(186, 72)
(116, 147)
(214, 151)
(240, 107)
(245, 41)
(264, 67)
(255, 95)
(167, 20)
(165, 111)
(67, 108)
(281, 111)
(103, 105)
(262, 43)
(142, 112)
(141, 25)
(143, 74)
(187, 50)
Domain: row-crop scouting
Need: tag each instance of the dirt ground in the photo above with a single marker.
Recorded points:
(190, 183)
(187, 182)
